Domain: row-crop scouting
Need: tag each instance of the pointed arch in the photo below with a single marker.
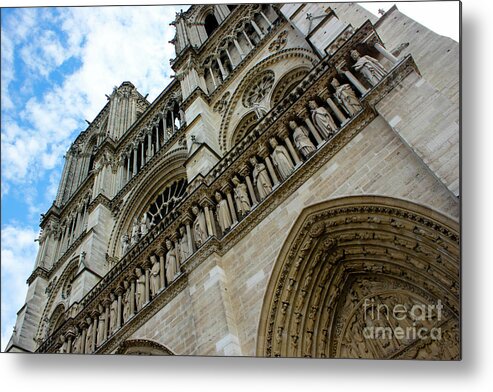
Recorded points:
(346, 256)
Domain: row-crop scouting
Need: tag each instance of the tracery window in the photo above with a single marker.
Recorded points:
(257, 92)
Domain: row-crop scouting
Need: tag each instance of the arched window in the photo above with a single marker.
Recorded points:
(210, 24)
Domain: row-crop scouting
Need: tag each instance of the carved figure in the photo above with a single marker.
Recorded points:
(199, 227)
(140, 289)
(154, 276)
(346, 97)
(223, 213)
(322, 120)
(301, 139)
(126, 303)
(144, 225)
(135, 232)
(172, 265)
(369, 67)
(241, 196)
(185, 250)
(101, 327)
(261, 178)
(113, 313)
(281, 159)
(125, 243)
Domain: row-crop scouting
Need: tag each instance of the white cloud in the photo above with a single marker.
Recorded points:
(18, 256)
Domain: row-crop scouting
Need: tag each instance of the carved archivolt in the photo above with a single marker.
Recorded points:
(142, 347)
(365, 277)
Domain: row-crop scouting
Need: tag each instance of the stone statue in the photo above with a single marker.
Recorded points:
(222, 212)
(369, 67)
(172, 265)
(241, 196)
(199, 226)
(101, 327)
(89, 336)
(185, 250)
(64, 347)
(261, 178)
(154, 277)
(140, 289)
(322, 120)
(346, 97)
(113, 314)
(144, 225)
(135, 232)
(76, 344)
(125, 243)
(281, 159)
(126, 302)
(301, 139)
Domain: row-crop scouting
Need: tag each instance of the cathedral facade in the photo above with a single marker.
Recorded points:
(293, 192)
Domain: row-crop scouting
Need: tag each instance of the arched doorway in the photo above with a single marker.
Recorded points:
(365, 277)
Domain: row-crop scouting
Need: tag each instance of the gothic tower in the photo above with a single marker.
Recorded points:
(303, 162)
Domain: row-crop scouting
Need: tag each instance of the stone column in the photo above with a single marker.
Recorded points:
(129, 174)
(238, 47)
(245, 172)
(149, 146)
(284, 133)
(213, 77)
(95, 316)
(157, 137)
(142, 155)
(340, 116)
(209, 218)
(248, 39)
(134, 169)
(119, 293)
(314, 131)
(221, 68)
(356, 83)
(191, 243)
(266, 19)
(83, 337)
(227, 191)
(257, 29)
(389, 56)
(162, 273)
(70, 338)
(106, 304)
(229, 57)
(147, 285)
(264, 153)
(132, 296)
(165, 135)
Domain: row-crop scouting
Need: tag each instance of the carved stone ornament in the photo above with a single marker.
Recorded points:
(280, 42)
(354, 293)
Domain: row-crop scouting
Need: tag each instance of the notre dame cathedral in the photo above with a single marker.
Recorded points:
(293, 192)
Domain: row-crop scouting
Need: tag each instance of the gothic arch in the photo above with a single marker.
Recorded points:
(168, 170)
(142, 347)
(346, 265)
(286, 83)
(231, 113)
(245, 125)
(57, 318)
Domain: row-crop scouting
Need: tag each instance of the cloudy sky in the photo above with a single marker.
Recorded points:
(57, 64)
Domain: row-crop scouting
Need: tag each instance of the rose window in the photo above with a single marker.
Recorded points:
(259, 89)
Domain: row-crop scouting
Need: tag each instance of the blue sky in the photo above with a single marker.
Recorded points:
(57, 64)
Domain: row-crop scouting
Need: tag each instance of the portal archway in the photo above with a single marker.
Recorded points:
(360, 265)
